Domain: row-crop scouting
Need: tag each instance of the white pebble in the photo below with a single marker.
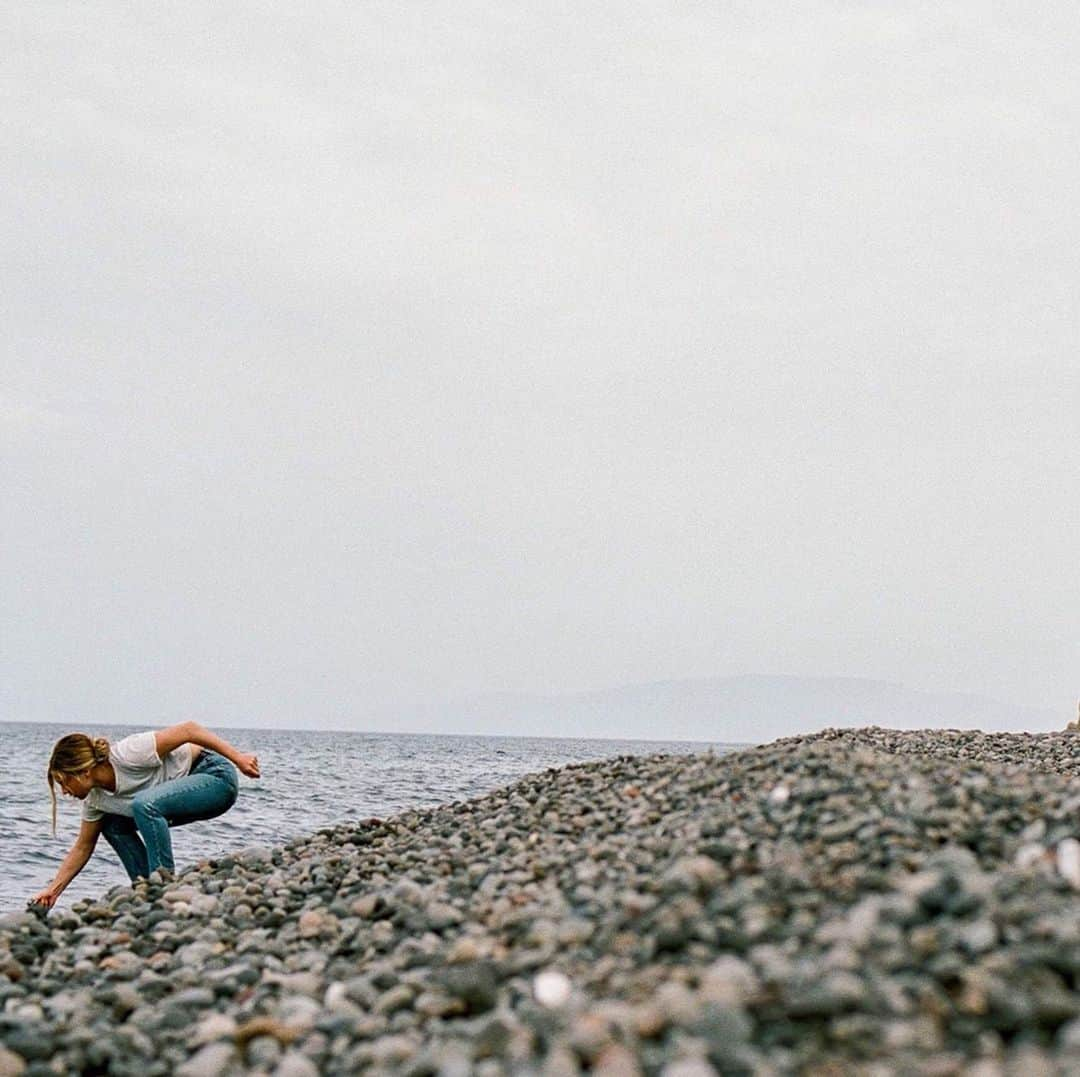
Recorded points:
(1068, 861)
(1028, 856)
(780, 794)
(213, 1027)
(552, 989)
(295, 1064)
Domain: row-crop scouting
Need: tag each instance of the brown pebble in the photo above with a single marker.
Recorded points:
(265, 1026)
(616, 1061)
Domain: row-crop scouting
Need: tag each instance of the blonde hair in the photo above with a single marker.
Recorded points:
(71, 755)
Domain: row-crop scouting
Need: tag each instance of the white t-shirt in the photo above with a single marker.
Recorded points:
(137, 766)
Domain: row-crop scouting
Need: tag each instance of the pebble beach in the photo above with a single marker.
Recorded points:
(866, 902)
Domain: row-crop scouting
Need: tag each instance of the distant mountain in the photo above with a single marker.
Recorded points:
(746, 709)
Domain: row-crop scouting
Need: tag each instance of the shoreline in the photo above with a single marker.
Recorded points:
(832, 903)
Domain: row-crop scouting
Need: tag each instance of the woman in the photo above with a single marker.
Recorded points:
(134, 790)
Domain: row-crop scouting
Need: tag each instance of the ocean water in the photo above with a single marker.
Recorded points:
(310, 779)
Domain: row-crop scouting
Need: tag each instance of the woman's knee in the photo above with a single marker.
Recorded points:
(230, 775)
(230, 791)
(226, 788)
(230, 778)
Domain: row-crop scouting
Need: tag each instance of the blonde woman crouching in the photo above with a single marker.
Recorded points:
(134, 790)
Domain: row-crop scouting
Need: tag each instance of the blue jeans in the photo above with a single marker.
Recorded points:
(208, 790)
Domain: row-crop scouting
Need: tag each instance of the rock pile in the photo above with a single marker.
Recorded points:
(1054, 753)
(864, 902)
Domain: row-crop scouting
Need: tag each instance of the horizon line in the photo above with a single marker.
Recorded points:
(396, 733)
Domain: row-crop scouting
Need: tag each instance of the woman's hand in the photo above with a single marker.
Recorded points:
(247, 764)
(47, 897)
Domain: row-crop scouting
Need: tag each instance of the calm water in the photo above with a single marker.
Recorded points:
(309, 779)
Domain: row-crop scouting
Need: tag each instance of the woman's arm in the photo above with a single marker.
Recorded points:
(72, 864)
(192, 733)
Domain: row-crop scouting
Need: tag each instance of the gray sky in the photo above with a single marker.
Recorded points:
(392, 352)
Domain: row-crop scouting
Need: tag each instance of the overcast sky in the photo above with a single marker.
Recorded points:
(406, 351)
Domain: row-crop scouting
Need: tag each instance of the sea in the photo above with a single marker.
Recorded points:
(309, 779)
